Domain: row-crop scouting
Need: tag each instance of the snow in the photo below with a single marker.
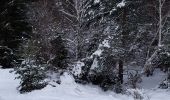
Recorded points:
(168, 54)
(69, 90)
(8, 85)
(95, 64)
(159, 94)
(121, 4)
(96, 1)
(98, 52)
(78, 68)
(105, 43)
(114, 9)
(154, 81)
(151, 82)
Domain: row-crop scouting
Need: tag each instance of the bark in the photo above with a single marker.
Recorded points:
(160, 22)
(121, 71)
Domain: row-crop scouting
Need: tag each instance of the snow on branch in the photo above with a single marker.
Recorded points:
(66, 13)
(121, 4)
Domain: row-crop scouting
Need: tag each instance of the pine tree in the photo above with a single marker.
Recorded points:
(31, 71)
(14, 27)
(60, 59)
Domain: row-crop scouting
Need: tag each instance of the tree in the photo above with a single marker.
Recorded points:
(99, 58)
(60, 52)
(83, 19)
(47, 33)
(6, 57)
(72, 12)
(160, 7)
(14, 27)
(40, 17)
(31, 71)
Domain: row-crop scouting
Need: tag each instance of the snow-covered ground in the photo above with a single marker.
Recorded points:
(147, 82)
(154, 81)
(68, 90)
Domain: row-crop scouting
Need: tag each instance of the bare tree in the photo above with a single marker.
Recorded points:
(160, 7)
(73, 12)
(44, 25)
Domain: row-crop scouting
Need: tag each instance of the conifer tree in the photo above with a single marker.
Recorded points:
(14, 28)
(31, 71)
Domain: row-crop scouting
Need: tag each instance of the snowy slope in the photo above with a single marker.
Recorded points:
(151, 82)
(154, 81)
(7, 85)
(68, 90)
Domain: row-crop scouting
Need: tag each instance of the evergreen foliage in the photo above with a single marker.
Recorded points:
(14, 26)
(60, 60)
(31, 71)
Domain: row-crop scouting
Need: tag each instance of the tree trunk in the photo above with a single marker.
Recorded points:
(160, 22)
(121, 71)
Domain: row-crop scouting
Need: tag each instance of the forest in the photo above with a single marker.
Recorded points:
(113, 46)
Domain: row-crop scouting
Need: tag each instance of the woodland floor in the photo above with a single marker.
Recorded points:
(69, 90)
